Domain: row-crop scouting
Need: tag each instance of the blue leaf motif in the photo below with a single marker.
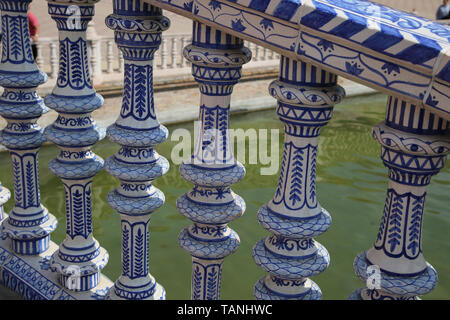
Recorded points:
(431, 101)
(215, 5)
(281, 181)
(237, 25)
(295, 195)
(197, 278)
(390, 68)
(394, 232)
(326, 45)
(18, 194)
(139, 267)
(266, 24)
(29, 173)
(125, 251)
(188, 6)
(353, 68)
(78, 214)
(211, 290)
(414, 229)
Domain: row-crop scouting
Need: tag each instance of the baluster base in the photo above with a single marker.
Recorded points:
(32, 240)
(151, 291)
(85, 283)
(393, 287)
(32, 278)
(31, 247)
(86, 265)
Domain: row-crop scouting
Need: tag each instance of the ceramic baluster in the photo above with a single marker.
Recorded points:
(29, 223)
(138, 31)
(306, 96)
(414, 145)
(217, 60)
(75, 132)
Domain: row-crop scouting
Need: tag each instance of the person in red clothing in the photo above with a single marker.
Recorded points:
(33, 25)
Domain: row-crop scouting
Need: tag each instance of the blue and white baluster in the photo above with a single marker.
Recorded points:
(138, 27)
(217, 60)
(29, 224)
(306, 96)
(414, 146)
(75, 132)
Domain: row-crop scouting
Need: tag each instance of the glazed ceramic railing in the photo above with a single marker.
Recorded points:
(400, 54)
(106, 60)
(318, 40)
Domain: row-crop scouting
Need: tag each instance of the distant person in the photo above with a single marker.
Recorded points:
(443, 11)
(33, 25)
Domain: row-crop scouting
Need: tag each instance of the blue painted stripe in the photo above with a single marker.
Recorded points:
(228, 39)
(303, 72)
(218, 36)
(207, 34)
(384, 39)
(445, 73)
(318, 18)
(350, 27)
(199, 32)
(294, 68)
(421, 116)
(286, 9)
(260, 5)
(286, 70)
(394, 111)
(125, 7)
(411, 117)
(430, 121)
(313, 74)
(402, 112)
(419, 53)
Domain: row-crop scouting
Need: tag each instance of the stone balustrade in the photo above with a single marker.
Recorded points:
(314, 43)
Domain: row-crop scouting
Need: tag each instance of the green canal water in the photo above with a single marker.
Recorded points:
(352, 185)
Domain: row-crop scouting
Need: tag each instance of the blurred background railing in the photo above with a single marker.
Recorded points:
(106, 61)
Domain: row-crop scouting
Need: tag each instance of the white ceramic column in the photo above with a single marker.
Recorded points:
(29, 223)
(138, 27)
(306, 96)
(414, 146)
(75, 132)
(217, 60)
